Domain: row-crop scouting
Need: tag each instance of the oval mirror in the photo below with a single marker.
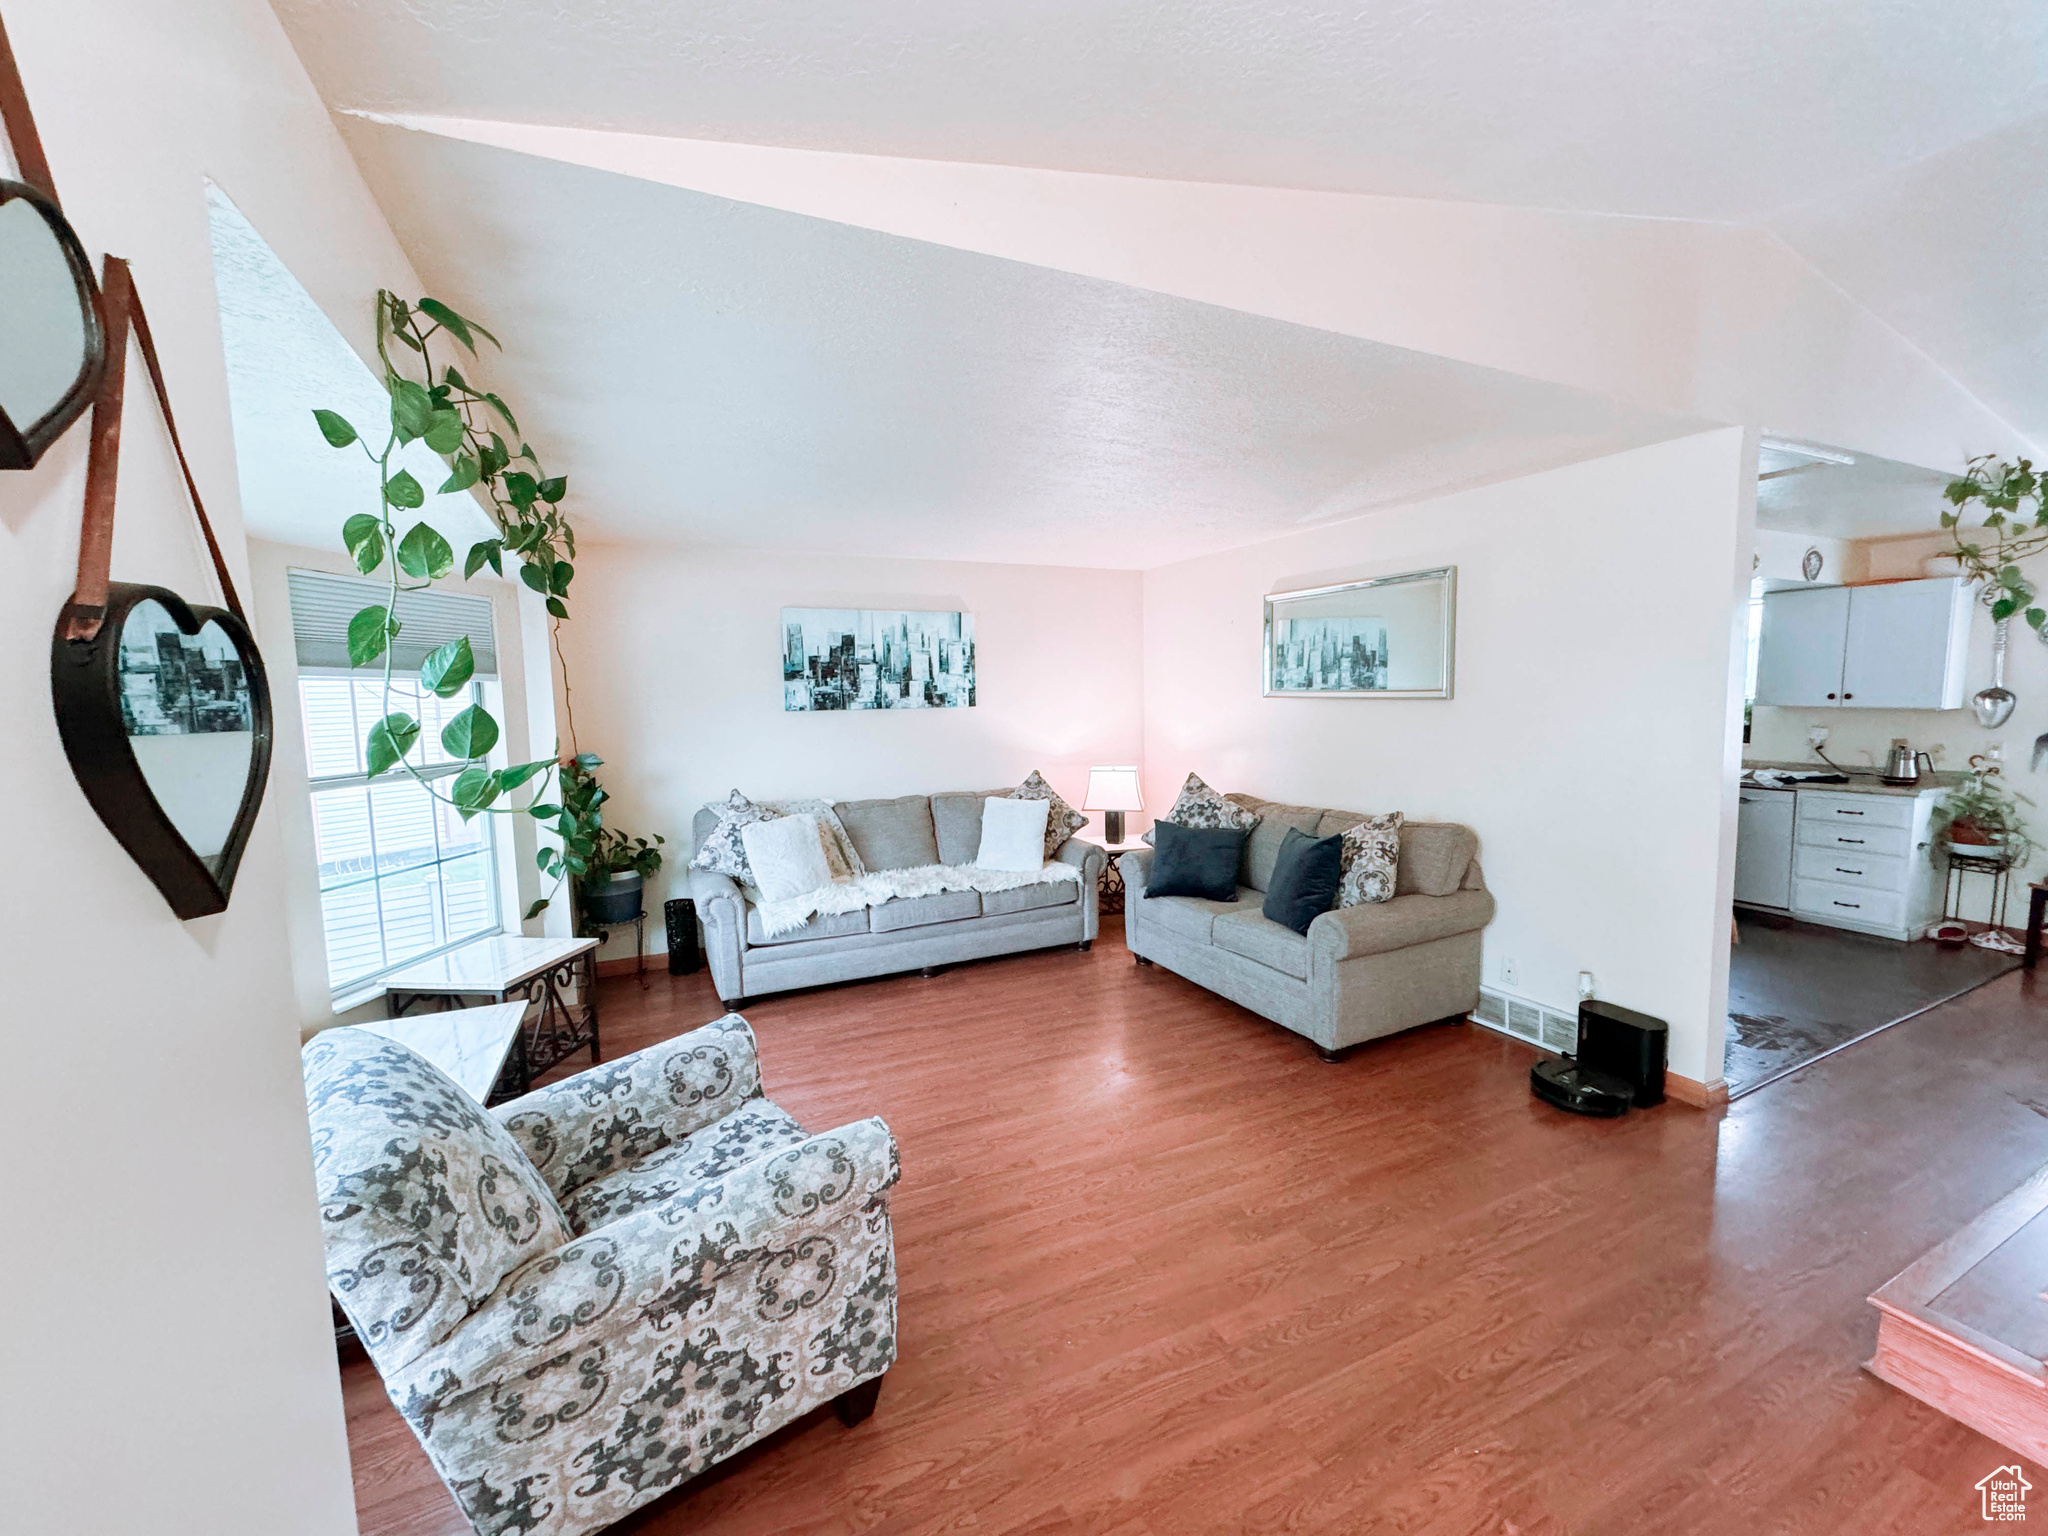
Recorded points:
(52, 344)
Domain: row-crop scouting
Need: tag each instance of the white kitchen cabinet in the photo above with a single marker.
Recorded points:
(1896, 645)
(1799, 658)
(1860, 860)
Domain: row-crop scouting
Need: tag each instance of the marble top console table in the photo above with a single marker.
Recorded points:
(555, 978)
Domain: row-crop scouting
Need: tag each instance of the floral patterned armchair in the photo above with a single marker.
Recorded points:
(590, 1294)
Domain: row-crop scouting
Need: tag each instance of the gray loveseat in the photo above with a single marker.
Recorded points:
(1361, 972)
(905, 934)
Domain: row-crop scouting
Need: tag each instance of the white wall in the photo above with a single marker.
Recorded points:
(1779, 555)
(675, 658)
(1589, 742)
(167, 1354)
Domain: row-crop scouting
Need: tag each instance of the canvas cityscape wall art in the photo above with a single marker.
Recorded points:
(1330, 655)
(865, 658)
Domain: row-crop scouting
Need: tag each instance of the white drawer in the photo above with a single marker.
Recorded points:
(1842, 866)
(1874, 842)
(1848, 904)
(1857, 810)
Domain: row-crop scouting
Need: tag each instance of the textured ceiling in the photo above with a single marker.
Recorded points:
(1669, 107)
(709, 369)
(713, 370)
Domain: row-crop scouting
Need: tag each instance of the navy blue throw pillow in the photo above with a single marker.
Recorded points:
(1305, 877)
(1195, 861)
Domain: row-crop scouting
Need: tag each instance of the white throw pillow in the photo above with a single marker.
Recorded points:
(1013, 834)
(787, 856)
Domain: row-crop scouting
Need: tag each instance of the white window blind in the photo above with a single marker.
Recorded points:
(322, 605)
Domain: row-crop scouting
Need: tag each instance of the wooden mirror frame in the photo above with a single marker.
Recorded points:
(21, 446)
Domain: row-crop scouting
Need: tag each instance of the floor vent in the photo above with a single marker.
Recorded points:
(1525, 1020)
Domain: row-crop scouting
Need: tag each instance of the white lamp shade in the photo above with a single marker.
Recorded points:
(1113, 789)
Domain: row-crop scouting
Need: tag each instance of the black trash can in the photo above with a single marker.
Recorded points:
(683, 954)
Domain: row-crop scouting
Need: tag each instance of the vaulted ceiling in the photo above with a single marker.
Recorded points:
(727, 372)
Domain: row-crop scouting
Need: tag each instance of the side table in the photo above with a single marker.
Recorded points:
(558, 975)
(1111, 899)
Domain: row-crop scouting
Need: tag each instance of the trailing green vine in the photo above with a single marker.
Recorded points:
(462, 423)
(2015, 526)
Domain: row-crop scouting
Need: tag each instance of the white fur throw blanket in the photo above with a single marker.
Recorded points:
(872, 889)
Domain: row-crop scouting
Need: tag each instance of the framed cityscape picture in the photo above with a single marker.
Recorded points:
(870, 658)
(1387, 637)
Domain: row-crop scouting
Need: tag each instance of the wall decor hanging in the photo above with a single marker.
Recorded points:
(163, 705)
(52, 338)
(1387, 637)
(865, 658)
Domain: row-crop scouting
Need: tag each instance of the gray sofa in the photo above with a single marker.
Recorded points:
(906, 934)
(1361, 972)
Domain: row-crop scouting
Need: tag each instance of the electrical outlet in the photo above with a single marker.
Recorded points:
(1816, 736)
(1507, 972)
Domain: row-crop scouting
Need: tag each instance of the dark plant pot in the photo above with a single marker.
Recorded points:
(616, 900)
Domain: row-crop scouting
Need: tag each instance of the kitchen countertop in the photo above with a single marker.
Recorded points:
(1861, 782)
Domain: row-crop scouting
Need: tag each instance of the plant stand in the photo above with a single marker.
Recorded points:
(639, 926)
(1998, 866)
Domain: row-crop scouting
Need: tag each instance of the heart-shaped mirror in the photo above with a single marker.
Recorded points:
(165, 715)
(53, 344)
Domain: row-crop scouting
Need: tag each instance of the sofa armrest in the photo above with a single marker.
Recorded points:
(1090, 857)
(702, 1256)
(1136, 866)
(723, 908)
(1377, 927)
(588, 1125)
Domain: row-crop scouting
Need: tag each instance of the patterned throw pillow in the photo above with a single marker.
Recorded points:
(1062, 821)
(1201, 806)
(1372, 852)
(723, 853)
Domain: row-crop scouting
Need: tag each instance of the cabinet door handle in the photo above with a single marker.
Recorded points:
(1848, 696)
(1856, 840)
(1831, 695)
(1841, 871)
(1839, 811)
(1853, 906)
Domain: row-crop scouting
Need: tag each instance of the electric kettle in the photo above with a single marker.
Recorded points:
(1902, 765)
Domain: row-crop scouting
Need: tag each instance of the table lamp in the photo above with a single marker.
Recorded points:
(1113, 791)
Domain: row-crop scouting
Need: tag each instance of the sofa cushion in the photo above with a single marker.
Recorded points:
(1195, 861)
(891, 834)
(1257, 937)
(1029, 898)
(1013, 835)
(956, 821)
(1062, 821)
(1198, 805)
(1305, 879)
(1263, 846)
(917, 911)
(1193, 917)
(824, 926)
(752, 1131)
(1435, 856)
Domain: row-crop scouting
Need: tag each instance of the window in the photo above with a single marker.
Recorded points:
(401, 874)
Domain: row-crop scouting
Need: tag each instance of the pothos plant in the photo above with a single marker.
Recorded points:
(445, 411)
(2010, 497)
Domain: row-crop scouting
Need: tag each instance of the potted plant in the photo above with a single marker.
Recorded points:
(612, 891)
(1981, 818)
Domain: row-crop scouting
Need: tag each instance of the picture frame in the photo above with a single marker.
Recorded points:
(1380, 637)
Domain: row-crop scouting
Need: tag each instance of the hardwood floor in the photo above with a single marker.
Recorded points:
(1163, 1271)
